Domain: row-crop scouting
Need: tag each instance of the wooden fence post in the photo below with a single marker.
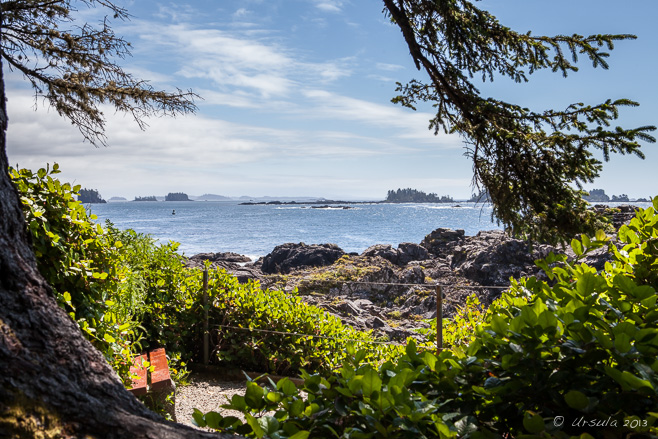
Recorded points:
(439, 319)
(205, 316)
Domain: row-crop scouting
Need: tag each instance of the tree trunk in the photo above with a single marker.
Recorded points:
(53, 382)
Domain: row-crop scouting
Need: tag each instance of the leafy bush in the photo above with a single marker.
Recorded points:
(458, 330)
(82, 262)
(573, 356)
(128, 293)
(283, 315)
(122, 289)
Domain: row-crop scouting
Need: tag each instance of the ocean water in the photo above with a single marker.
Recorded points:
(206, 226)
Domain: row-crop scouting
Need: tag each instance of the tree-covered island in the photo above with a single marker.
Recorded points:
(177, 196)
(415, 196)
(90, 196)
(147, 198)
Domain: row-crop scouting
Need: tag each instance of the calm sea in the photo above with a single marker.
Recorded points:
(206, 226)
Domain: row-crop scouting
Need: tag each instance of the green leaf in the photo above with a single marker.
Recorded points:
(108, 338)
(296, 408)
(274, 397)
(633, 381)
(198, 418)
(255, 426)
(302, 434)
(286, 386)
(213, 420)
(623, 343)
(371, 382)
(576, 400)
(547, 319)
(269, 424)
(498, 324)
(237, 403)
(577, 247)
(533, 423)
(586, 284)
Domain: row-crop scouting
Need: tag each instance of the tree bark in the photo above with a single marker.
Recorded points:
(53, 382)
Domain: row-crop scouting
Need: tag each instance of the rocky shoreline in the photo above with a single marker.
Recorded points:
(392, 290)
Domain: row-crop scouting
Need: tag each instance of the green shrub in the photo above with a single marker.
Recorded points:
(248, 306)
(458, 330)
(129, 294)
(124, 290)
(570, 357)
(82, 262)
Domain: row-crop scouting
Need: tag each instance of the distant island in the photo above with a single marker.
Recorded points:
(118, 199)
(90, 196)
(323, 202)
(149, 198)
(599, 195)
(415, 196)
(211, 197)
(482, 197)
(177, 196)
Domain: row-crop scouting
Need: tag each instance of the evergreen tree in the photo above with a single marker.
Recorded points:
(53, 382)
(527, 160)
(74, 68)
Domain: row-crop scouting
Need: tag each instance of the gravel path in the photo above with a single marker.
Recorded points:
(206, 393)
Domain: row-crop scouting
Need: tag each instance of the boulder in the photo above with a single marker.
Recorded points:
(287, 257)
(492, 257)
(618, 215)
(221, 257)
(408, 252)
(385, 251)
(442, 241)
(405, 253)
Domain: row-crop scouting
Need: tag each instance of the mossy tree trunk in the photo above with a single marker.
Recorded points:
(53, 382)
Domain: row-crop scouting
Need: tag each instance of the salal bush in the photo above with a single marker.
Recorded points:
(83, 263)
(128, 293)
(121, 288)
(274, 331)
(576, 355)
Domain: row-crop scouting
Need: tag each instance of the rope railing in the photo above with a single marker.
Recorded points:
(439, 312)
(269, 331)
(481, 287)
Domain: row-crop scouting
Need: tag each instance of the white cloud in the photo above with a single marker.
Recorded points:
(329, 5)
(389, 67)
(240, 13)
(248, 61)
(411, 125)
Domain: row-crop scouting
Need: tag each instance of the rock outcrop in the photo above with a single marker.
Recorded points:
(405, 253)
(222, 257)
(287, 257)
(492, 257)
(393, 290)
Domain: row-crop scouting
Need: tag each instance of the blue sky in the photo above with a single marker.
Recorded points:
(296, 101)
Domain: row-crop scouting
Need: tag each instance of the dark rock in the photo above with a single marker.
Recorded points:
(618, 215)
(411, 252)
(244, 272)
(405, 253)
(492, 257)
(414, 275)
(442, 240)
(350, 308)
(287, 257)
(376, 323)
(385, 251)
(225, 257)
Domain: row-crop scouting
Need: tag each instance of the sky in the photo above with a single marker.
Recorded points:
(296, 101)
